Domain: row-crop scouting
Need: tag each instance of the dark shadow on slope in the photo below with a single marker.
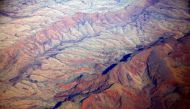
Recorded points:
(108, 69)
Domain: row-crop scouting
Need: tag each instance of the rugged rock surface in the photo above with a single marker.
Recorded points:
(155, 78)
(106, 54)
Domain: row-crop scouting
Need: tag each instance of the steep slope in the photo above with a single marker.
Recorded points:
(98, 54)
(155, 78)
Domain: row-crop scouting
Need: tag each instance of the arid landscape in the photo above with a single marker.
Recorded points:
(94, 54)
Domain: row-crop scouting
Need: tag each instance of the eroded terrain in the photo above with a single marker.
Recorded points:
(94, 54)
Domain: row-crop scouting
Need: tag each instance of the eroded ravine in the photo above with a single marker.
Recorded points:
(64, 61)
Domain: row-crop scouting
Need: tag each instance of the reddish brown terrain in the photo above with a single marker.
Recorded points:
(95, 54)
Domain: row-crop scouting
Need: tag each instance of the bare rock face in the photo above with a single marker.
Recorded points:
(155, 78)
(94, 54)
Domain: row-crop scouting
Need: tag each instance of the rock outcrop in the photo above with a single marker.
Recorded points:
(102, 54)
